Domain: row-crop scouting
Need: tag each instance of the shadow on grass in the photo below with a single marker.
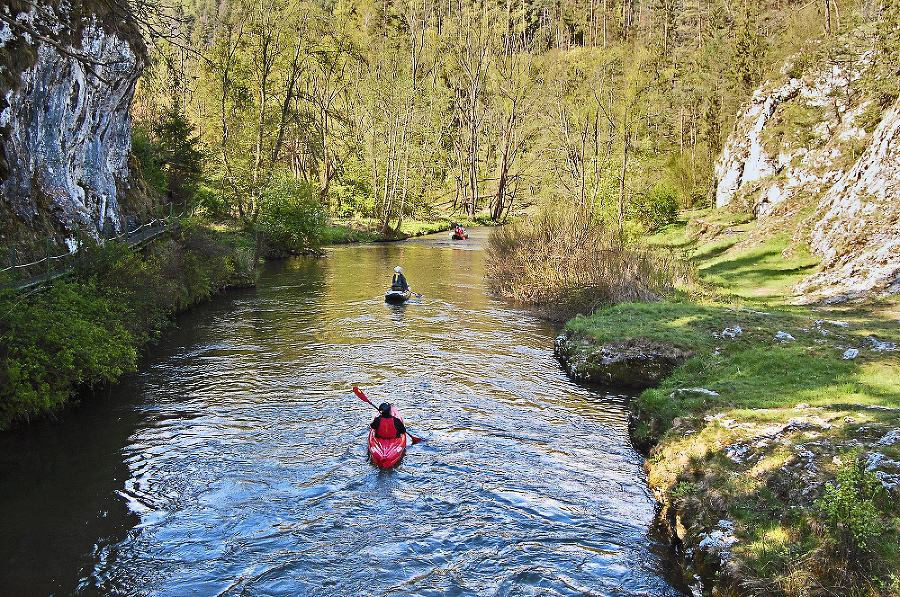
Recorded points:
(713, 250)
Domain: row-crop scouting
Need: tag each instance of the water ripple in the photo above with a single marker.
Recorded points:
(250, 475)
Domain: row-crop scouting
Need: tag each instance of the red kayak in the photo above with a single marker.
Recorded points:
(387, 452)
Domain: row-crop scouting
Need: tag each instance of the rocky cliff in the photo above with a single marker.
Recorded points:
(820, 142)
(68, 72)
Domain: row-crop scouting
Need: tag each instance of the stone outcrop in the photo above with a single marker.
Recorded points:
(637, 364)
(67, 77)
(809, 141)
(857, 224)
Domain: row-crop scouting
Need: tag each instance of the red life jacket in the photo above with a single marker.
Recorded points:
(386, 428)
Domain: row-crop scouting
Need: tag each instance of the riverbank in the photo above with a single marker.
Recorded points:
(773, 446)
(90, 327)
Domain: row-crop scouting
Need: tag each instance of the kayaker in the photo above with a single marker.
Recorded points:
(399, 280)
(387, 426)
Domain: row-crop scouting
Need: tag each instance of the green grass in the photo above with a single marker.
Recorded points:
(754, 369)
(420, 228)
(358, 229)
(789, 542)
(728, 269)
(338, 234)
(758, 272)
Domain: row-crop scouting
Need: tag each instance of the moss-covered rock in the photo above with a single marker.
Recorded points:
(636, 363)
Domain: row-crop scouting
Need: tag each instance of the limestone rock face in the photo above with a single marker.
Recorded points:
(807, 140)
(744, 160)
(857, 228)
(66, 84)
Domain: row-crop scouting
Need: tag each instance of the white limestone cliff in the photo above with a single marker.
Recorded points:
(65, 127)
(801, 141)
(857, 223)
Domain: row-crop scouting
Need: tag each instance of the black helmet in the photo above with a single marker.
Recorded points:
(385, 407)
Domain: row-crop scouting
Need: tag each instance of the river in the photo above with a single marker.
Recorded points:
(234, 461)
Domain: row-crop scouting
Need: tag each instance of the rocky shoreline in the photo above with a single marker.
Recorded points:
(776, 464)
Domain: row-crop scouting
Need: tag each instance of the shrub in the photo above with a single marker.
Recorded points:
(211, 202)
(291, 216)
(658, 207)
(89, 330)
(854, 546)
(54, 341)
(150, 161)
(849, 510)
(566, 263)
(353, 196)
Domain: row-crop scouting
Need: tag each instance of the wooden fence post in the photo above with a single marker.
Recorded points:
(48, 257)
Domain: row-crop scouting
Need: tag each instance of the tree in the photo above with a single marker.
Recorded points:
(515, 98)
(467, 72)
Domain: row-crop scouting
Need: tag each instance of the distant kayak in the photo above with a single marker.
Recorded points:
(386, 453)
(458, 233)
(397, 296)
(456, 236)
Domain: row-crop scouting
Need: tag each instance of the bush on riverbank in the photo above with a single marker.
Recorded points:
(90, 328)
(292, 218)
(563, 264)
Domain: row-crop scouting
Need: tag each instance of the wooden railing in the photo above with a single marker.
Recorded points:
(21, 276)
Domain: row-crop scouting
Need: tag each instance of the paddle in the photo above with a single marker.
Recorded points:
(363, 397)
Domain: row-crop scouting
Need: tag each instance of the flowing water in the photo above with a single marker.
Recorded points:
(234, 462)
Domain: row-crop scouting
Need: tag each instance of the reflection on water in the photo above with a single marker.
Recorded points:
(234, 463)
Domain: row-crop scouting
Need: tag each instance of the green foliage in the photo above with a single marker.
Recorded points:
(211, 202)
(658, 207)
(291, 216)
(873, 112)
(888, 40)
(849, 508)
(748, 54)
(794, 124)
(56, 340)
(169, 154)
(149, 160)
(352, 196)
(179, 150)
(89, 330)
(389, 115)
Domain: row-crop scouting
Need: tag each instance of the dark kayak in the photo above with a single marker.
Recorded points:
(386, 452)
(397, 296)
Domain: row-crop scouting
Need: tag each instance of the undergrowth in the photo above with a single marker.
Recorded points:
(89, 329)
(562, 264)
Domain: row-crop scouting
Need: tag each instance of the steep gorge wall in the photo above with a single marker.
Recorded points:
(68, 72)
(805, 145)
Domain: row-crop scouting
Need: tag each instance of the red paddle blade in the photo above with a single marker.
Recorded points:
(415, 439)
(362, 396)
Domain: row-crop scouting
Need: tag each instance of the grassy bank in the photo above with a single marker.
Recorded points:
(350, 230)
(774, 451)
